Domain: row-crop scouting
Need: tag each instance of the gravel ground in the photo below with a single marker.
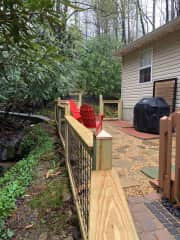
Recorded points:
(130, 155)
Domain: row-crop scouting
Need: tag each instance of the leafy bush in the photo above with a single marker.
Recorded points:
(99, 71)
(33, 38)
(17, 179)
(29, 141)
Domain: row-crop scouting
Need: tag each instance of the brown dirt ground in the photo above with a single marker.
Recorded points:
(46, 211)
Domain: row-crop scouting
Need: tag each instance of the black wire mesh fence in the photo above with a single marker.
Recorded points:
(80, 158)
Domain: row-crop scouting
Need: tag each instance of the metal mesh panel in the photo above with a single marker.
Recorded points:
(80, 158)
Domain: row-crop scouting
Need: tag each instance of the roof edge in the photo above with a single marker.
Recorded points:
(150, 37)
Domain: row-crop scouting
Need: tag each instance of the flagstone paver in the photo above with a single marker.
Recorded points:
(130, 155)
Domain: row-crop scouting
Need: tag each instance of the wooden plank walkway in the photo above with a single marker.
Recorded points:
(110, 217)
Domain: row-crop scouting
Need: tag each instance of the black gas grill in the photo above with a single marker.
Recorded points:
(147, 114)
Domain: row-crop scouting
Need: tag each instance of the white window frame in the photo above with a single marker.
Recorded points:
(147, 66)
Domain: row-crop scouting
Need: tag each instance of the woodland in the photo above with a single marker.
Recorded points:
(52, 47)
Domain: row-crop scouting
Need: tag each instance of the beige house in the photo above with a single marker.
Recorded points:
(151, 66)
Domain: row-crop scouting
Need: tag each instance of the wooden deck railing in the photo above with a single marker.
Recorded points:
(118, 104)
(96, 188)
(61, 109)
(168, 180)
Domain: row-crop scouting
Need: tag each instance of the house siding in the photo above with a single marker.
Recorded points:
(165, 64)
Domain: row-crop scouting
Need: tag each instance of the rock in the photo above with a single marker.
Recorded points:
(69, 238)
(43, 236)
(76, 235)
(66, 196)
(9, 145)
(55, 237)
(3, 155)
(70, 213)
(11, 152)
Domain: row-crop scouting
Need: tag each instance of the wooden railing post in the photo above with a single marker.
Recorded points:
(162, 150)
(103, 151)
(101, 104)
(165, 152)
(67, 110)
(177, 161)
(80, 100)
(120, 106)
(66, 142)
(59, 119)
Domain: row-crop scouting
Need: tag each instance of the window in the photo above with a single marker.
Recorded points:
(145, 66)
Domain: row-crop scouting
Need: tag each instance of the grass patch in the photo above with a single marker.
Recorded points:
(52, 197)
(15, 182)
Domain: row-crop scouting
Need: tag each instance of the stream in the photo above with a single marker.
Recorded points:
(12, 130)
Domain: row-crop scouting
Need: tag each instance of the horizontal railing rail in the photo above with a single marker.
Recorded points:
(118, 104)
(89, 163)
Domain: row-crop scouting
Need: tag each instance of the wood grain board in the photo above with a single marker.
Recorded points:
(84, 133)
(110, 218)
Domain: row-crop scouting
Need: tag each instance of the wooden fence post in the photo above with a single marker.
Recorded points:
(66, 142)
(165, 152)
(177, 161)
(80, 99)
(55, 111)
(103, 151)
(59, 119)
(67, 110)
(101, 104)
(162, 150)
(120, 106)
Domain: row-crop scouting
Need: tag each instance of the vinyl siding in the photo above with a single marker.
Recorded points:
(165, 64)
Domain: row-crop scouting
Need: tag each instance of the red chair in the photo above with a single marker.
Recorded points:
(89, 119)
(75, 110)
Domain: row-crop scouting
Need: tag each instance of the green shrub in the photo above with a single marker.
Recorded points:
(18, 178)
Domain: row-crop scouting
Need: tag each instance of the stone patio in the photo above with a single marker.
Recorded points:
(130, 155)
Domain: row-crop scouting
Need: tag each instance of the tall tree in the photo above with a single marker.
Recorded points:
(154, 14)
(172, 9)
(167, 11)
(178, 7)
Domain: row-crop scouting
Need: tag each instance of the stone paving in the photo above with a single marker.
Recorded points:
(130, 155)
(148, 225)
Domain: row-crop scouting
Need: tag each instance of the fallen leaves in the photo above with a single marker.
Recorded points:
(29, 226)
(52, 173)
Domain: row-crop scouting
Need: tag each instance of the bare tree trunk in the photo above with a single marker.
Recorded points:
(98, 24)
(178, 8)
(154, 14)
(124, 31)
(86, 25)
(129, 28)
(123, 21)
(167, 11)
(137, 20)
(76, 15)
(172, 9)
(141, 17)
(115, 20)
